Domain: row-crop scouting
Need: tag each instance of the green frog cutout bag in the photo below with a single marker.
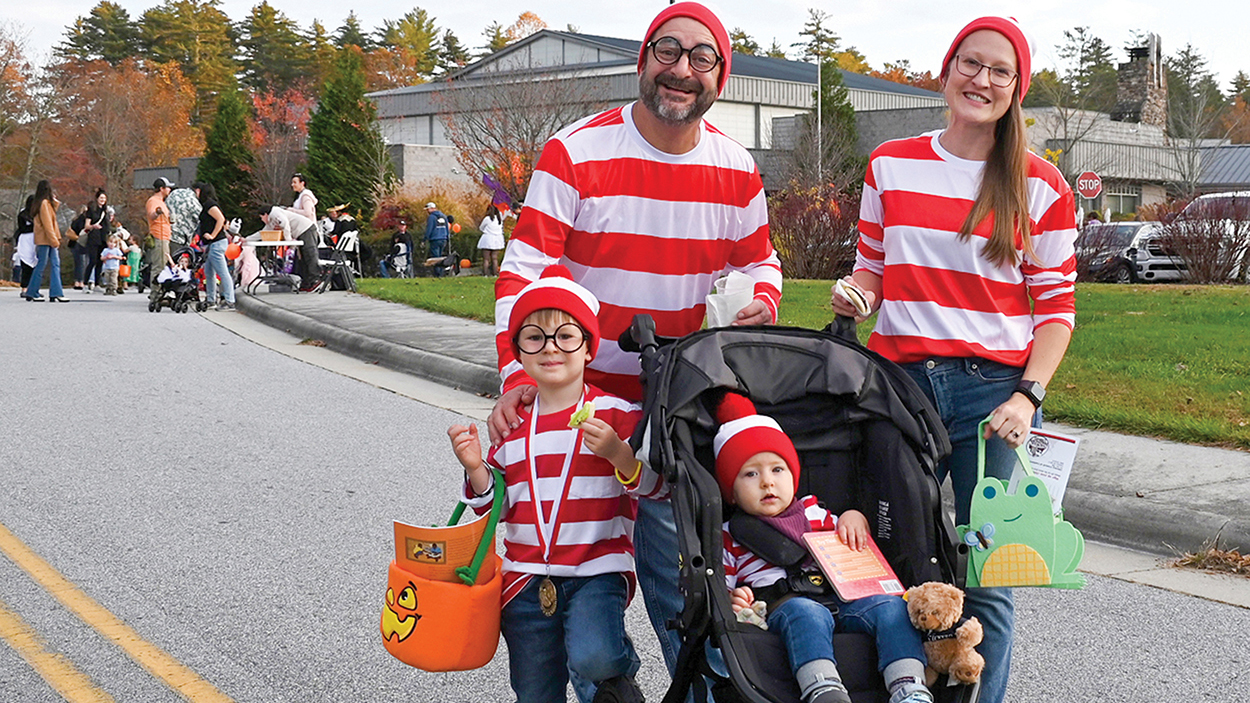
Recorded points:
(1016, 539)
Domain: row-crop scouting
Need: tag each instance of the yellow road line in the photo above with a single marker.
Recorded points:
(73, 685)
(174, 673)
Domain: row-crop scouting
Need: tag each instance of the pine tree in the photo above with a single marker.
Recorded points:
(275, 55)
(351, 33)
(347, 161)
(743, 43)
(200, 38)
(496, 39)
(452, 55)
(228, 161)
(415, 34)
(106, 34)
(838, 133)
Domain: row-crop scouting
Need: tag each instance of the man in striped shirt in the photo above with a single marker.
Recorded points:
(647, 205)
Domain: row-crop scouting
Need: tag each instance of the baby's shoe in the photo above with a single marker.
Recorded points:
(829, 691)
(911, 693)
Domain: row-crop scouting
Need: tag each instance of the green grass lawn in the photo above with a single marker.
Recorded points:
(1159, 360)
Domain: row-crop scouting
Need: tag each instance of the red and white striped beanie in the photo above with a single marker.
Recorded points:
(743, 433)
(557, 290)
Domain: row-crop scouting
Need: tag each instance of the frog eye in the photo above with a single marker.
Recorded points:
(989, 492)
(1031, 490)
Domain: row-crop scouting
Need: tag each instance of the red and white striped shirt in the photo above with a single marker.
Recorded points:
(645, 231)
(940, 296)
(744, 568)
(594, 525)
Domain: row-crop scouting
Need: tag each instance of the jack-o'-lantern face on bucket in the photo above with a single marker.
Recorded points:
(399, 617)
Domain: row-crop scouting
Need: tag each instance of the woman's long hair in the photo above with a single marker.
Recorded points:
(492, 213)
(1004, 191)
(43, 191)
(208, 193)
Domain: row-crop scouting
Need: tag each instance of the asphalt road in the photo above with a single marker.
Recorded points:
(233, 506)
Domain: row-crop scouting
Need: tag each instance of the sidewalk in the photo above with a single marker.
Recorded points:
(1151, 495)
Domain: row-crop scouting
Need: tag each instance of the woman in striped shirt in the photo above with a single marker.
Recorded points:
(966, 254)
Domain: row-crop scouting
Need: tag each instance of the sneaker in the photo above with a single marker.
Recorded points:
(829, 691)
(87, 289)
(911, 693)
(225, 305)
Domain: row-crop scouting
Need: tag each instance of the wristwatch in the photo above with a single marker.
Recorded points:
(1033, 391)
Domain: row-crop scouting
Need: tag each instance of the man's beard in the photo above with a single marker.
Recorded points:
(649, 94)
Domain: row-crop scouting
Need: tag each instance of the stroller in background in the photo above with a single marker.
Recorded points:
(867, 439)
(175, 293)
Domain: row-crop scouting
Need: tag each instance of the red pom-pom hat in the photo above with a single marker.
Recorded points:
(556, 289)
(743, 434)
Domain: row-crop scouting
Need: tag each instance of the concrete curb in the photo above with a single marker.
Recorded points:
(1148, 526)
(456, 373)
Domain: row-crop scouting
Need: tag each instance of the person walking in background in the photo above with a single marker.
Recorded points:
(24, 245)
(213, 236)
(437, 234)
(491, 242)
(93, 238)
(159, 225)
(966, 253)
(47, 245)
(111, 258)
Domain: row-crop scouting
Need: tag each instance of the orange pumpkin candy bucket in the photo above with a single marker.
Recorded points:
(438, 616)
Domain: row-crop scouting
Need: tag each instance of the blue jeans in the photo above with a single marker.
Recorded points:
(438, 249)
(215, 267)
(807, 627)
(964, 391)
(586, 635)
(49, 256)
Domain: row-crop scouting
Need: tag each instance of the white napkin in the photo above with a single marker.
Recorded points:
(732, 293)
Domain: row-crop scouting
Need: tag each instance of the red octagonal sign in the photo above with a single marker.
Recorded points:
(1089, 185)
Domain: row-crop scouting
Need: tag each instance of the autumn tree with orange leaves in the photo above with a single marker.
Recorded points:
(279, 132)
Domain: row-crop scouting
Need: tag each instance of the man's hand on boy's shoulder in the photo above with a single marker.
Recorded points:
(506, 415)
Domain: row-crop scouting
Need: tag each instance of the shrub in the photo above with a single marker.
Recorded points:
(1212, 237)
(465, 203)
(814, 230)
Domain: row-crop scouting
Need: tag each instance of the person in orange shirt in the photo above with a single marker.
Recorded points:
(158, 223)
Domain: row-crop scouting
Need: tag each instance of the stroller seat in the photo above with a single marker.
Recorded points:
(867, 438)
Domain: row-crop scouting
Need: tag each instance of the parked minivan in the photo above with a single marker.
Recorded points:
(1127, 252)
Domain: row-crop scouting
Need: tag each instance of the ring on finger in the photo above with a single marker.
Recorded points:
(1015, 434)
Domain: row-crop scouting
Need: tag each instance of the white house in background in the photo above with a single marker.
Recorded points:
(759, 89)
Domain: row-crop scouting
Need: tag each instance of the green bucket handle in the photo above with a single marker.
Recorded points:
(468, 574)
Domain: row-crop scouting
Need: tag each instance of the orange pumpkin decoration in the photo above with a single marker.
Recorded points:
(455, 227)
(465, 263)
(233, 250)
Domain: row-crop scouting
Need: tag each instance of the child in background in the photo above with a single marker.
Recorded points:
(568, 554)
(112, 257)
(757, 468)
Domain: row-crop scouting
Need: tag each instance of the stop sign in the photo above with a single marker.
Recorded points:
(1089, 185)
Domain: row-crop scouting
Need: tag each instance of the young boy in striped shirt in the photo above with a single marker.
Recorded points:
(568, 566)
(757, 468)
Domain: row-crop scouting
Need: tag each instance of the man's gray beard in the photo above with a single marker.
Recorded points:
(649, 94)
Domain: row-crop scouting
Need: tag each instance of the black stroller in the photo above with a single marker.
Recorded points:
(867, 438)
(179, 292)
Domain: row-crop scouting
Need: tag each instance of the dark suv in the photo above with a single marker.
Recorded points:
(1126, 252)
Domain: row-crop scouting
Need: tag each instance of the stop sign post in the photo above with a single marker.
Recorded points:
(1089, 185)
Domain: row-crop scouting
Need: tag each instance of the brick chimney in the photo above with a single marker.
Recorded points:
(1142, 88)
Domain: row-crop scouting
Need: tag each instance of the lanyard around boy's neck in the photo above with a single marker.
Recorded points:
(548, 528)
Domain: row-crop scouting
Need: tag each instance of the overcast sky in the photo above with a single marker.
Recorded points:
(916, 30)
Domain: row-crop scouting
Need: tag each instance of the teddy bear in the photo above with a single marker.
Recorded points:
(935, 610)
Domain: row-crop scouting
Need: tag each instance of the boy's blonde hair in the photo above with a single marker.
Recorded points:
(548, 317)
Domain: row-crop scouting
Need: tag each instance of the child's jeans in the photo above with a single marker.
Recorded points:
(110, 281)
(806, 627)
(586, 634)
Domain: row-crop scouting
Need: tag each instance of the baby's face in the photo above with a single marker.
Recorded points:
(764, 485)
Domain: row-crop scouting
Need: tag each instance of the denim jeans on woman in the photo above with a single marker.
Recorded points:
(585, 635)
(215, 267)
(964, 391)
(50, 257)
(807, 627)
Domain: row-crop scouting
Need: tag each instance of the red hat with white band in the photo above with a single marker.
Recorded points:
(1008, 27)
(743, 433)
(557, 290)
(703, 16)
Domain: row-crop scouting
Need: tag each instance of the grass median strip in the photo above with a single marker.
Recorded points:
(172, 672)
(1167, 361)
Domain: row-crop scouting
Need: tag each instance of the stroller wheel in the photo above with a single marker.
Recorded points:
(201, 306)
(152, 306)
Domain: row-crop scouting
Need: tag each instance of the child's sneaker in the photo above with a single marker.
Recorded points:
(618, 689)
(830, 691)
(911, 693)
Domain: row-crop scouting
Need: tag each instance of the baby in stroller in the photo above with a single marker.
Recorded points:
(757, 468)
(176, 286)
